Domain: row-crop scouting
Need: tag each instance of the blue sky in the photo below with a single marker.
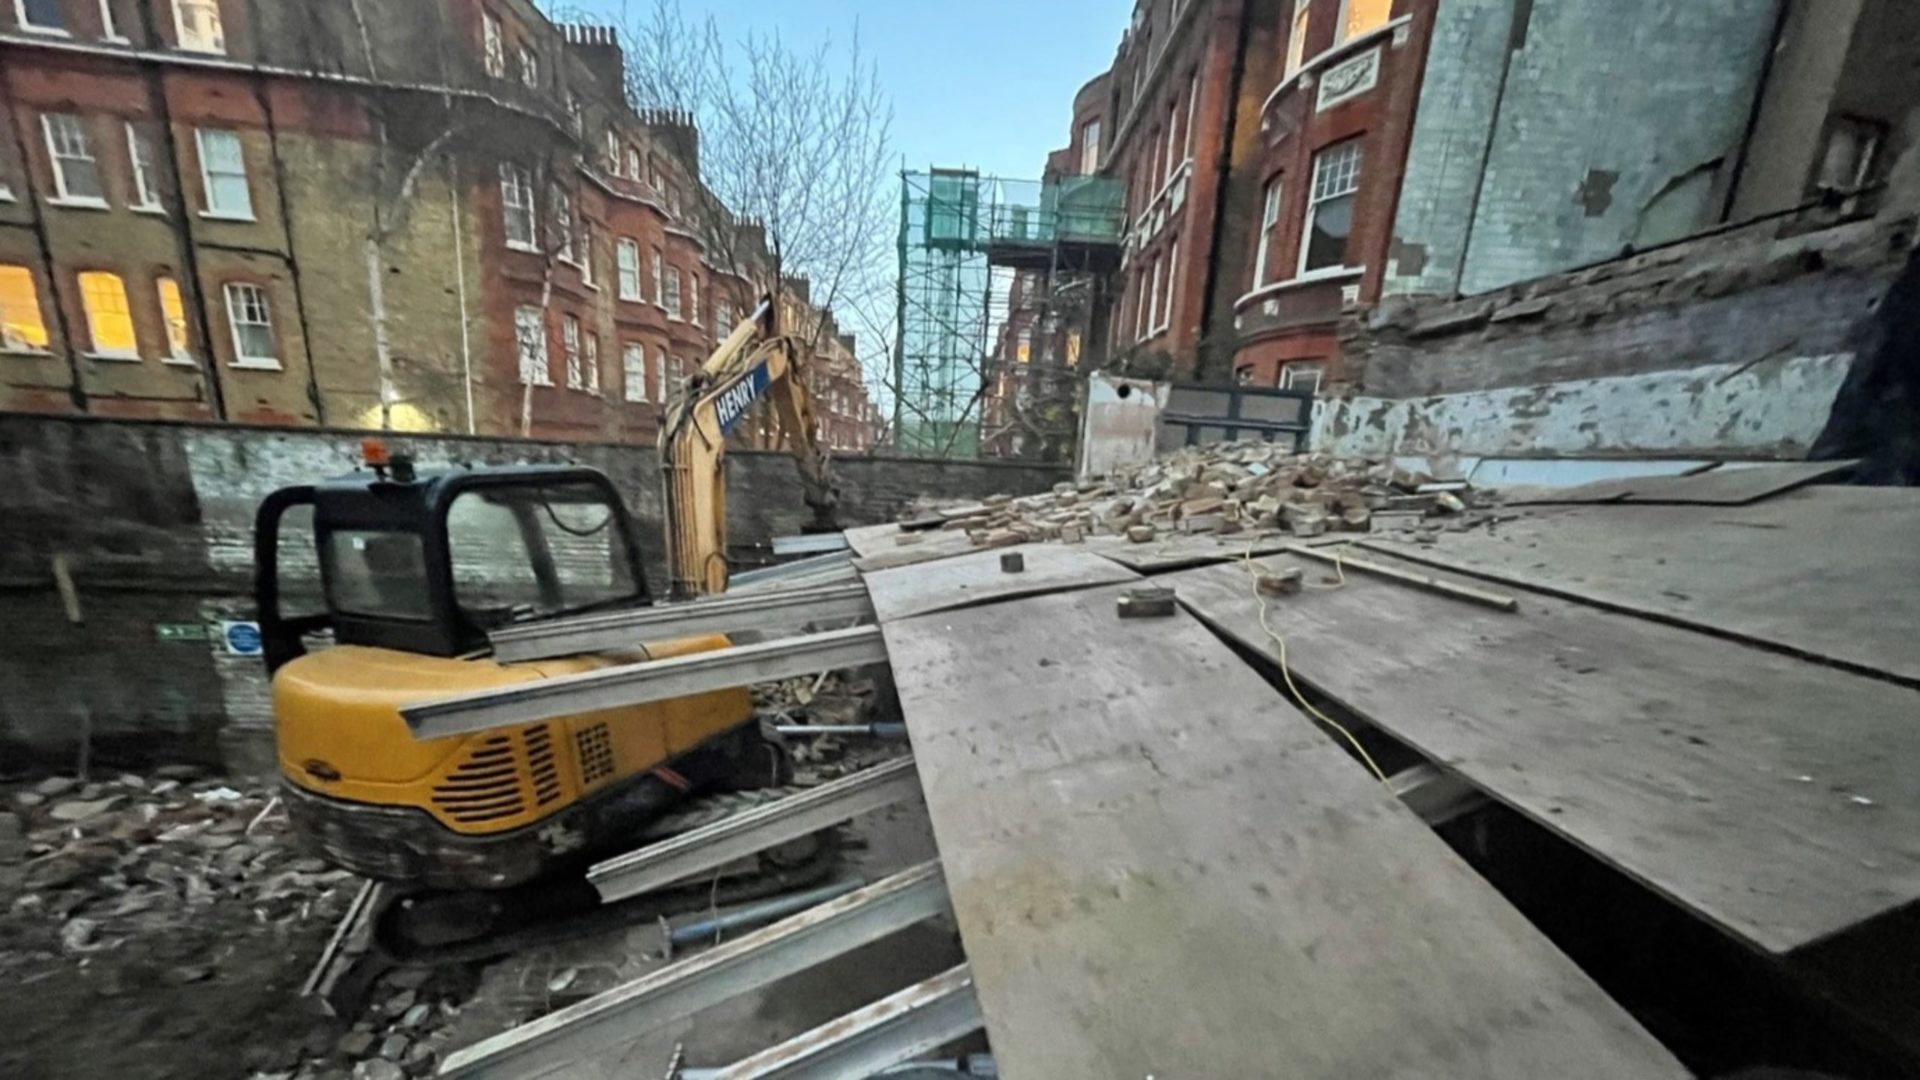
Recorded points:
(985, 83)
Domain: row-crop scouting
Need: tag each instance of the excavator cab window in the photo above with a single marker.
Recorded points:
(523, 553)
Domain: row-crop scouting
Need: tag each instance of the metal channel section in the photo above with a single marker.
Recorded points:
(1433, 793)
(628, 1012)
(896, 1028)
(735, 837)
(820, 569)
(784, 609)
(810, 544)
(654, 680)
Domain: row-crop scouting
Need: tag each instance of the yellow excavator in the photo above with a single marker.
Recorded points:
(415, 570)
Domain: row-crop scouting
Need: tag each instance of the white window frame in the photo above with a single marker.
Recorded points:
(21, 20)
(63, 196)
(1317, 196)
(634, 376)
(110, 26)
(587, 272)
(570, 348)
(145, 186)
(1270, 204)
(528, 63)
(613, 151)
(693, 298)
(493, 45)
(1173, 279)
(634, 167)
(1173, 136)
(207, 174)
(564, 240)
(1153, 305)
(93, 315)
(1090, 147)
(535, 352)
(516, 196)
(1340, 34)
(239, 296)
(1297, 37)
(1193, 101)
(192, 41)
(592, 362)
(1289, 373)
(627, 256)
(672, 301)
(658, 264)
(178, 351)
(660, 375)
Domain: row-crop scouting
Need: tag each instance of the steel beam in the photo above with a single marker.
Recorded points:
(833, 566)
(897, 1028)
(784, 609)
(715, 845)
(810, 544)
(1433, 793)
(628, 1012)
(653, 680)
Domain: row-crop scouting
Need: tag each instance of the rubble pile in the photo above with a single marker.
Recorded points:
(1220, 490)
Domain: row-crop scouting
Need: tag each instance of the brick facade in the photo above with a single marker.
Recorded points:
(342, 187)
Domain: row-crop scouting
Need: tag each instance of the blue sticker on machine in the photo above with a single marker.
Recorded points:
(738, 398)
(243, 638)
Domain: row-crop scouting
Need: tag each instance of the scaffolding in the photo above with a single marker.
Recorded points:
(963, 237)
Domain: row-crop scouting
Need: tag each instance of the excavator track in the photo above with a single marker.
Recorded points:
(424, 929)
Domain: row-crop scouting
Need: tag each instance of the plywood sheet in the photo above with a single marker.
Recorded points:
(1771, 796)
(1724, 485)
(1160, 869)
(976, 577)
(1832, 572)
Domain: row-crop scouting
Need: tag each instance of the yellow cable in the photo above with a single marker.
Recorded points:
(1286, 673)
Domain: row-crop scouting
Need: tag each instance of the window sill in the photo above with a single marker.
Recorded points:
(1317, 277)
(228, 215)
(257, 364)
(71, 202)
(150, 209)
(46, 31)
(515, 245)
(29, 352)
(116, 39)
(113, 357)
(632, 299)
(201, 50)
(590, 285)
(181, 361)
(1340, 51)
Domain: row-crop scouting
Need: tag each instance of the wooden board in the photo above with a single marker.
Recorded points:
(1773, 797)
(976, 577)
(872, 539)
(1724, 485)
(1175, 552)
(1827, 571)
(1160, 869)
(927, 546)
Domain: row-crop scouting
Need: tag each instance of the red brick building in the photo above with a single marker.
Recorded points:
(446, 219)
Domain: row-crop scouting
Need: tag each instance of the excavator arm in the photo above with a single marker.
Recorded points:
(755, 361)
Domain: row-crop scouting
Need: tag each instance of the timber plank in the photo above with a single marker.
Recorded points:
(1830, 572)
(1772, 797)
(1159, 868)
(976, 577)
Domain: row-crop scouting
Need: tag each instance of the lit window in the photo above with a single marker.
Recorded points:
(174, 314)
(530, 334)
(1336, 176)
(146, 170)
(673, 293)
(251, 316)
(1090, 147)
(1297, 42)
(659, 280)
(1363, 16)
(109, 26)
(633, 362)
(494, 46)
(628, 254)
(563, 225)
(1305, 375)
(41, 15)
(1269, 220)
(516, 203)
(109, 319)
(76, 175)
(21, 327)
(570, 346)
(529, 67)
(593, 363)
(198, 24)
(223, 169)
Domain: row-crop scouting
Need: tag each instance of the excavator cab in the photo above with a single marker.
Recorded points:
(407, 574)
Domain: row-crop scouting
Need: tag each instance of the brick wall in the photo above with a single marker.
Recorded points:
(156, 523)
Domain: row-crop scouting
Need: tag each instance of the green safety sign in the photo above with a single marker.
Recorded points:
(180, 631)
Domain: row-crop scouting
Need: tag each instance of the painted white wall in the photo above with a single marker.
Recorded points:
(1119, 423)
